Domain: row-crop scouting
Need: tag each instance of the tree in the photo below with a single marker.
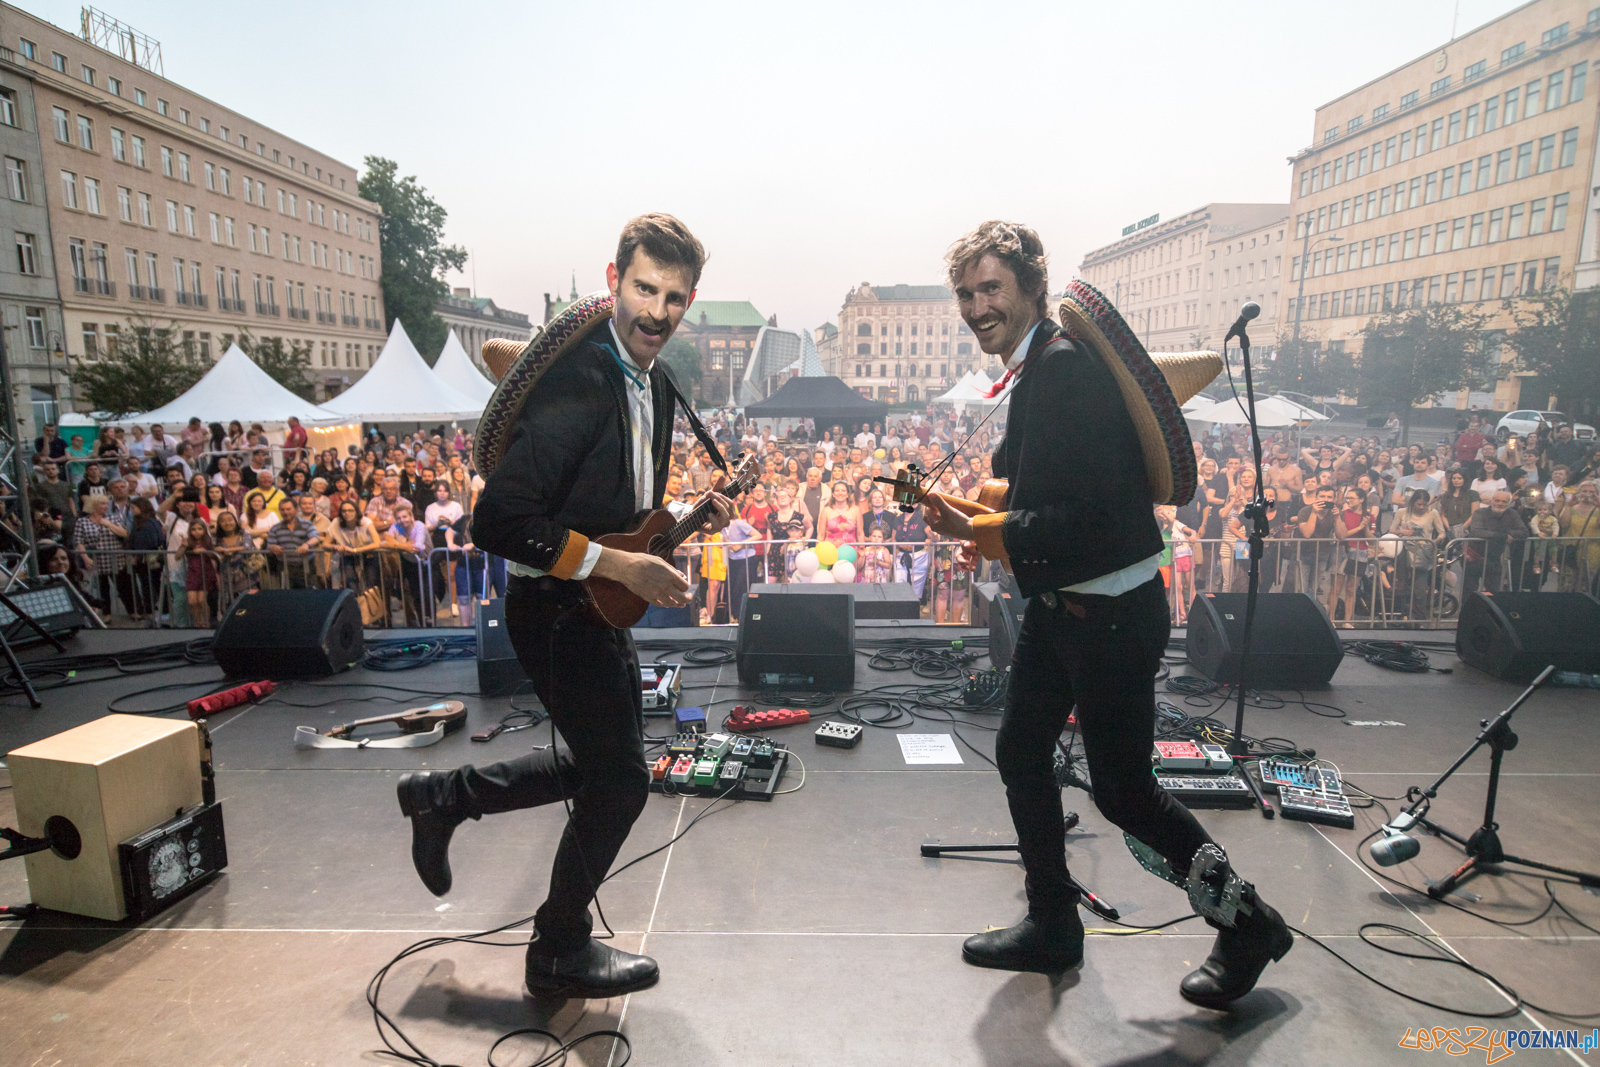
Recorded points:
(285, 363)
(1557, 336)
(414, 261)
(1306, 366)
(1410, 355)
(148, 369)
(684, 360)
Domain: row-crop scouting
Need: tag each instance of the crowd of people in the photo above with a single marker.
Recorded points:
(1391, 531)
(166, 529)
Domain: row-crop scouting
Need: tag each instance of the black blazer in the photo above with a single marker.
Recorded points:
(1079, 505)
(569, 464)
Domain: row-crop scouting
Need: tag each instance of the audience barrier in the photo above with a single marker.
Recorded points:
(1391, 583)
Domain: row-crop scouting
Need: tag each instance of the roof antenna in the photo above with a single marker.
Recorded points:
(1454, 19)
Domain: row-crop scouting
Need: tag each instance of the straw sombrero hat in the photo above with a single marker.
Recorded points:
(519, 368)
(1154, 388)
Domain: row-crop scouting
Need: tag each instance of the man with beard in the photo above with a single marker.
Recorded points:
(575, 444)
(1096, 623)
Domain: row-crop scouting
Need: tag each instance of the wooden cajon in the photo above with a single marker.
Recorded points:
(113, 778)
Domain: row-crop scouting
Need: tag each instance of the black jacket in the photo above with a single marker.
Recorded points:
(1079, 505)
(569, 464)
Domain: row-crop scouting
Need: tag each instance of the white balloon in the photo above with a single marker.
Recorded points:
(822, 577)
(844, 571)
(806, 563)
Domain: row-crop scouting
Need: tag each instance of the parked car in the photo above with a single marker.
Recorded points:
(1526, 421)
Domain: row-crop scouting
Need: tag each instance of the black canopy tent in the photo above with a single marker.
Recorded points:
(828, 401)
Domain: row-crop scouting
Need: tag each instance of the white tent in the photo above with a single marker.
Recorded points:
(1299, 410)
(1232, 412)
(400, 387)
(456, 369)
(236, 388)
(973, 389)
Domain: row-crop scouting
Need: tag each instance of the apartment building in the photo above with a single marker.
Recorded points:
(902, 343)
(476, 319)
(1180, 282)
(1463, 176)
(169, 210)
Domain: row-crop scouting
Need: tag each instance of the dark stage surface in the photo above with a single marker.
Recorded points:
(808, 930)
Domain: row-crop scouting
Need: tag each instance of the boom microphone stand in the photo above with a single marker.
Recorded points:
(1255, 514)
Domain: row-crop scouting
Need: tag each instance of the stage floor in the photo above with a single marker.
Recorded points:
(807, 930)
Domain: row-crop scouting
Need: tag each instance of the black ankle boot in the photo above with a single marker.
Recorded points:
(1239, 956)
(1044, 946)
(430, 829)
(594, 972)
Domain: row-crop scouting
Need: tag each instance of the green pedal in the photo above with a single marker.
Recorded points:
(705, 772)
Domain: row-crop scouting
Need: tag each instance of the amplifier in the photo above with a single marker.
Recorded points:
(797, 642)
(172, 859)
(1514, 636)
(499, 673)
(1292, 646)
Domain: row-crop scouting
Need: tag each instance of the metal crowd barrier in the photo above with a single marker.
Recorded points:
(1394, 583)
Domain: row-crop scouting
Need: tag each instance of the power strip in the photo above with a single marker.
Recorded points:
(839, 734)
(248, 693)
(744, 720)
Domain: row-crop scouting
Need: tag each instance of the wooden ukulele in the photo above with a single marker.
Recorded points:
(659, 534)
(908, 493)
(452, 713)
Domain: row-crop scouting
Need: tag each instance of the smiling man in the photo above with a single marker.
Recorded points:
(588, 449)
(1083, 542)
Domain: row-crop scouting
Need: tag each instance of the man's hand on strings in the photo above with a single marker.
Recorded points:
(722, 512)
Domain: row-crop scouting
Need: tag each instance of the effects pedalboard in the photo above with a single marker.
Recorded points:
(1307, 791)
(716, 765)
(1203, 779)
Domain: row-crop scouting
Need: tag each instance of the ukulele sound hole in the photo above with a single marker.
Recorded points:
(658, 545)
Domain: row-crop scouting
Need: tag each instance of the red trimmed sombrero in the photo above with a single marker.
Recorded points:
(519, 368)
(1153, 387)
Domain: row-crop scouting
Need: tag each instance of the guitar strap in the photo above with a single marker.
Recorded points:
(695, 424)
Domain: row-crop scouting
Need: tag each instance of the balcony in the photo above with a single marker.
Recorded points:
(93, 286)
(327, 318)
(154, 295)
(350, 320)
(374, 324)
(199, 299)
(266, 309)
(225, 304)
(183, 297)
(299, 313)
(137, 292)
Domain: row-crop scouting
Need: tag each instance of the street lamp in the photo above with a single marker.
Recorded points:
(1134, 295)
(1306, 245)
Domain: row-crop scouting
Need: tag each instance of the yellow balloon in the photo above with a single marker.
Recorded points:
(879, 454)
(827, 553)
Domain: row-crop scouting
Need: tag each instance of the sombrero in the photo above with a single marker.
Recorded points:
(519, 368)
(1154, 388)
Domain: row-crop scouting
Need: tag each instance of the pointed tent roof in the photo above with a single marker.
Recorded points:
(458, 371)
(237, 388)
(400, 387)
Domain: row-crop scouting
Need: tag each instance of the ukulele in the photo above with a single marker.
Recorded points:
(659, 534)
(452, 713)
(908, 493)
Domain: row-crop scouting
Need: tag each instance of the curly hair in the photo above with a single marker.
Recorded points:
(665, 240)
(1018, 247)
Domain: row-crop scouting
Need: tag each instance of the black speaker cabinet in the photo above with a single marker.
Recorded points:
(797, 642)
(1005, 621)
(290, 633)
(499, 673)
(1514, 636)
(1293, 645)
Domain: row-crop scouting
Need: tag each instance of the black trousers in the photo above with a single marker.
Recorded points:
(1104, 662)
(587, 676)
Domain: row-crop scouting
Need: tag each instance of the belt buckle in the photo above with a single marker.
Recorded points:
(1051, 601)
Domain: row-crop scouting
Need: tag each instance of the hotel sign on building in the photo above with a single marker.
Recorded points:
(1462, 177)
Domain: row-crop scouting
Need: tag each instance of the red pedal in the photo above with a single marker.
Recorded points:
(230, 698)
(743, 719)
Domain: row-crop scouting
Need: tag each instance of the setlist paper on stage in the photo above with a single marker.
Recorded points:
(928, 748)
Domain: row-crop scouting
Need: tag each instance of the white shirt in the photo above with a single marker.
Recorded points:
(641, 426)
(865, 440)
(1117, 582)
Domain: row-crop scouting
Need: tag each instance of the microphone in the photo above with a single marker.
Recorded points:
(1249, 311)
(1396, 846)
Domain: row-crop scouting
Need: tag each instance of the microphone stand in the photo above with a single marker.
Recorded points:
(1255, 514)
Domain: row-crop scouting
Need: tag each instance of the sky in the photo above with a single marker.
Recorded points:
(811, 146)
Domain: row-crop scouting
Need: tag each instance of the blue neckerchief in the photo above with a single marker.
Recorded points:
(636, 377)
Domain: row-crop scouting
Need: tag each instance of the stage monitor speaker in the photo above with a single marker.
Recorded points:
(1514, 636)
(1293, 645)
(1006, 608)
(797, 642)
(92, 788)
(290, 633)
(499, 673)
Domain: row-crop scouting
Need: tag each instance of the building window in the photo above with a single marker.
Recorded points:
(183, 166)
(1558, 212)
(114, 85)
(863, 350)
(1553, 35)
(34, 319)
(1380, 112)
(1536, 216)
(85, 133)
(227, 230)
(161, 106)
(188, 220)
(1569, 147)
(1514, 53)
(1475, 71)
(17, 179)
(138, 151)
(166, 161)
(1440, 86)
(91, 196)
(1408, 100)
(1514, 224)
(62, 123)
(1512, 96)
(172, 216)
(1524, 159)
(144, 210)
(31, 51)
(118, 149)
(125, 203)
(1580, 74)
(58, 61)
(183, 115)
(224, 175)
(91, 340)
(27, 254)
(69, 189)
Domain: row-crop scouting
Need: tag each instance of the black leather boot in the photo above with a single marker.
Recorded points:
(1239, 956)
(594, 972)
(1044, 946)
(430, 829)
